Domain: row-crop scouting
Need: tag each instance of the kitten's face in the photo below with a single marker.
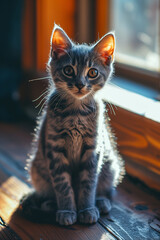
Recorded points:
(80, 70)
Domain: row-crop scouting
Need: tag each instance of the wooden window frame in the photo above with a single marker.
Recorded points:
(143, 164)
(103, 25)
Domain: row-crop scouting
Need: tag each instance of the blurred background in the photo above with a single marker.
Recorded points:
(26, 27)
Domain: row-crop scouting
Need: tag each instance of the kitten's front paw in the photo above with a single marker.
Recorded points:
(104, 205)
(66, 217)
(88, 215)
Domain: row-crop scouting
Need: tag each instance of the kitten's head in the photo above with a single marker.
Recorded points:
(80, 70)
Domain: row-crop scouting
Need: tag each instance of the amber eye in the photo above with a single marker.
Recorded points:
(92, 73)
(68, 70)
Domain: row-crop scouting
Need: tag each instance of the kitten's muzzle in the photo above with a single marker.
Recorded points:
(79, 85)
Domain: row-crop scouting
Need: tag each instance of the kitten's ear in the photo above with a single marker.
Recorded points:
(105, 48)
(60, 42)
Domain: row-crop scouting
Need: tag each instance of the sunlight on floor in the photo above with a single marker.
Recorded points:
(106, 237)
(10, 193)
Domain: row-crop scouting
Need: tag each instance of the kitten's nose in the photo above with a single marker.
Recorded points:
(79, 85)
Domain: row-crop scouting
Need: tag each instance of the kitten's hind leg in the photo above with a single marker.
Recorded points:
(38, 208)
(105, 187)
(103, 204)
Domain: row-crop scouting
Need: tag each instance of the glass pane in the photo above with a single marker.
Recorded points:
(136, 24)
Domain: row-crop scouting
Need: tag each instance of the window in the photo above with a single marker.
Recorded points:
(137, 27)
(136, 120)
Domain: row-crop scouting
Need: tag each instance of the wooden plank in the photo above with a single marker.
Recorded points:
(28, 230)
(6, 232)
(139, 144)
(10, 193)
(134, 209)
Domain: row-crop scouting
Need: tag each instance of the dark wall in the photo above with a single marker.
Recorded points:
(11, 13)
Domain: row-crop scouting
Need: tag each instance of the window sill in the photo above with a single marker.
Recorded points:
(136, 124)
(134, 97)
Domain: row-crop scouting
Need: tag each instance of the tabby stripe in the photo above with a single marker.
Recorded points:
(57, 137)
(66, 191)
(61, 169)
(87, 147)
(92, 135)
(73, 60)
(90, 63)
(88, 165)
(58, 149)
(43, 174)
(58, 80)
(60, 131)
(86, 184)
(50, 155)
(72, 113)
(91, 108)
(59, 179)
(53, 162)
(63, 188)
(56, 97)
(61, 106)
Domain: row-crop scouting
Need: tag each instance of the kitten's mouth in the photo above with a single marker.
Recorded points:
(80, 93)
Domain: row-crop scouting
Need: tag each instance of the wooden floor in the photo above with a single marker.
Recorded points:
(135, 213)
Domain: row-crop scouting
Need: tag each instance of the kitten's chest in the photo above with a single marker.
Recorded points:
(76, 129)
(77, 126)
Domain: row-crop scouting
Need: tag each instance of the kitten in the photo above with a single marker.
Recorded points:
(75, 164)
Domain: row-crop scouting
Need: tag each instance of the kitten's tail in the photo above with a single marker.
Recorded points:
(37, 209)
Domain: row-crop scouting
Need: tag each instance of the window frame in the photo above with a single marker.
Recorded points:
(137, 74)
(145, 120)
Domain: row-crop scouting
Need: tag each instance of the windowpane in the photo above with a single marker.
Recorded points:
(136, 23)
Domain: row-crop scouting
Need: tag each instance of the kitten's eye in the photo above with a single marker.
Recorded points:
(68, 70)
(92, 73)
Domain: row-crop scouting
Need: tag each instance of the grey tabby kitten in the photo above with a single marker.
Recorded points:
(75, 164)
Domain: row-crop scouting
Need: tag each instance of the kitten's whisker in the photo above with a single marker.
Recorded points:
(59, 100)
(63, 94)
(56, 96)
(38, 79)
(47, 91)
(111, 108)
(42, 106)
(40, 102)
(112, 105)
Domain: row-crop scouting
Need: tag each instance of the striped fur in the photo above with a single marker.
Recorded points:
(75, 162)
